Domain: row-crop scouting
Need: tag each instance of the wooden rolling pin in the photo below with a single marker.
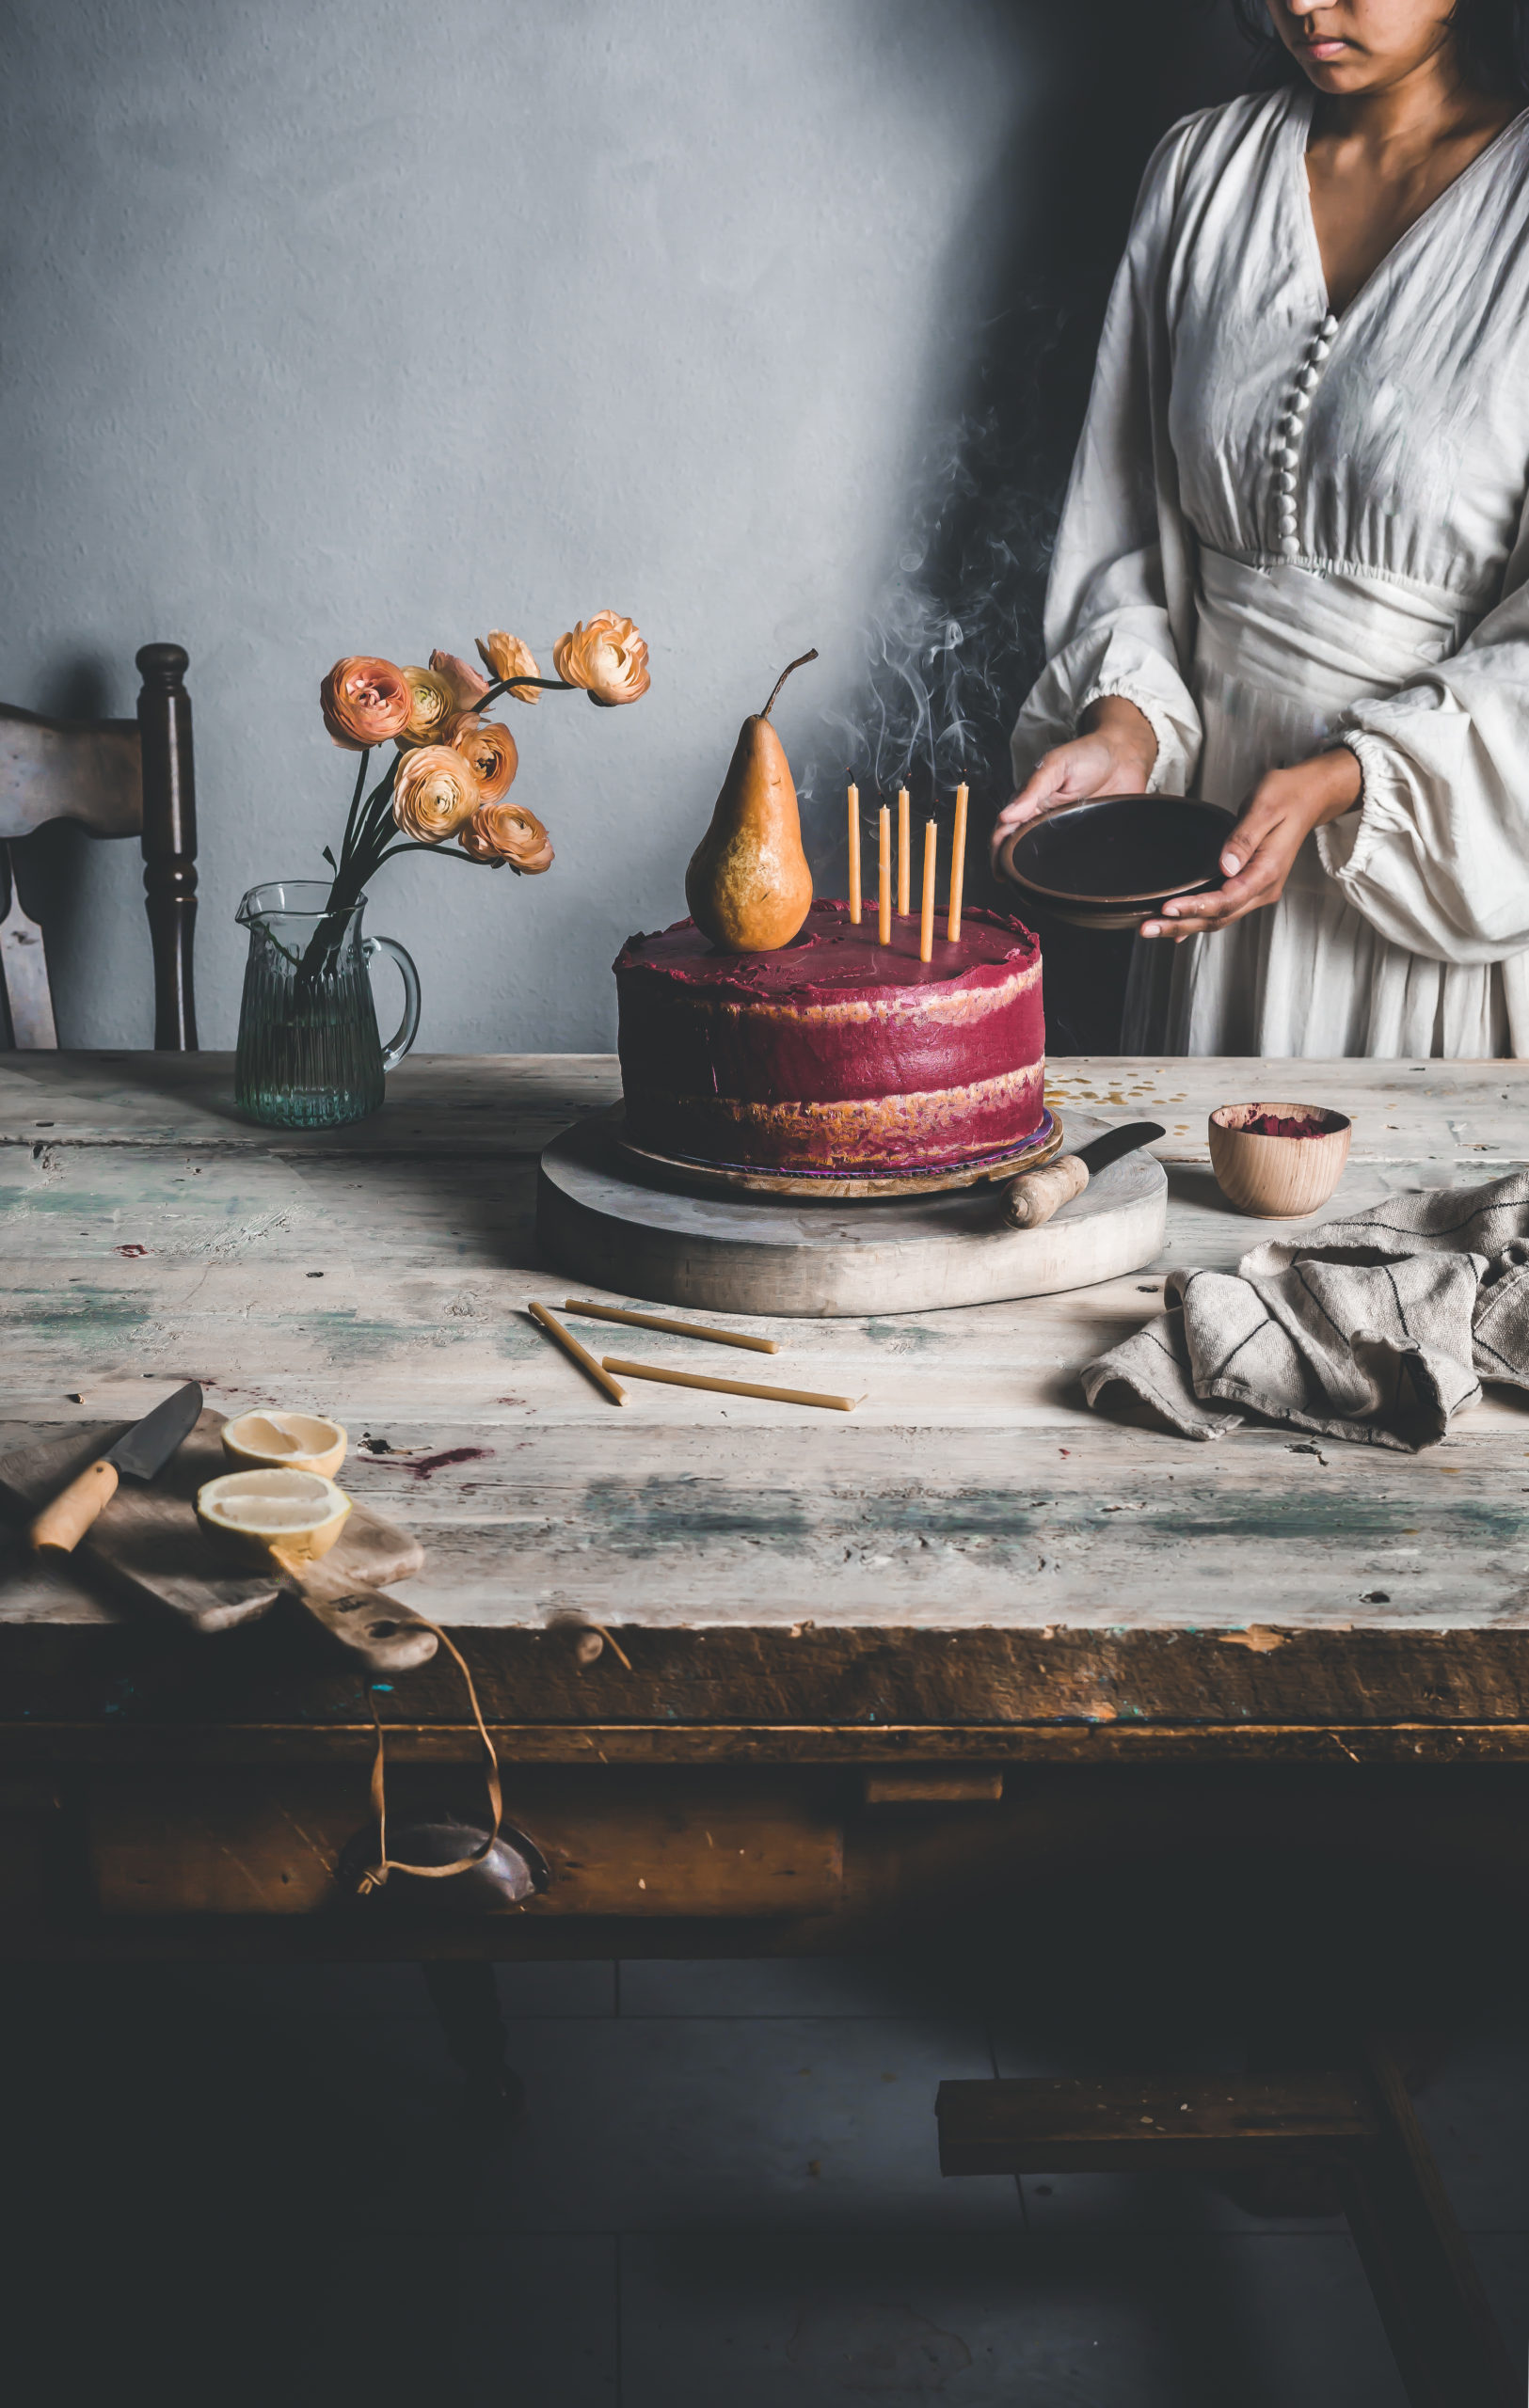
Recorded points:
(1029, 1201)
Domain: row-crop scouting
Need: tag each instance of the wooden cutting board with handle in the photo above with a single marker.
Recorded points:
(148, 1545)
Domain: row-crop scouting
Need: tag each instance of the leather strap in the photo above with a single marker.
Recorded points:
(378, 1874)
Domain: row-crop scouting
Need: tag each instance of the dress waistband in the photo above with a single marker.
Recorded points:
(1338, 635)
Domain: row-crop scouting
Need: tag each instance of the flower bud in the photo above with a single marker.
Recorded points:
(507, 656)
(464, 680)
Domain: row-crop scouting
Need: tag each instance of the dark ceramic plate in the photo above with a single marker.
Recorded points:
(1114, 861)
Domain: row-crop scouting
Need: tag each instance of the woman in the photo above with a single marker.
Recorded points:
(1292, 571)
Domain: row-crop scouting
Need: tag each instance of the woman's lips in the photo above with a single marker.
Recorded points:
(1324, 46)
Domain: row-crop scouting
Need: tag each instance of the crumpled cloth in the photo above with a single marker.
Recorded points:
(1376, 1329)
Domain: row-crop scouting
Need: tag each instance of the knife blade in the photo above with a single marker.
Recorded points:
(139, 1452)
(1029, 1201)
(1100, 1152)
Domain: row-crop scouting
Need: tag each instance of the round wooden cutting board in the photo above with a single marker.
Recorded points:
(598, 1217)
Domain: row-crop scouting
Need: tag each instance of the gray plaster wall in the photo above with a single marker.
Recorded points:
(331, 328)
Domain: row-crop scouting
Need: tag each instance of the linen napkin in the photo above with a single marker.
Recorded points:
(1376, 1329)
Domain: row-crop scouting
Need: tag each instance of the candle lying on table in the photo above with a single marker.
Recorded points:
(680, 1328)
(725, 1387)
(580, 1355)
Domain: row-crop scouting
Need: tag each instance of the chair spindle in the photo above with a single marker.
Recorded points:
(170, 841)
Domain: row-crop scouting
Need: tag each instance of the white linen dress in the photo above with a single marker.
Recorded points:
(1286, 529)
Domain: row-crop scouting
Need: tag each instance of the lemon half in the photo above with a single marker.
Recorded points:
(292, 1441)
(293, 1516)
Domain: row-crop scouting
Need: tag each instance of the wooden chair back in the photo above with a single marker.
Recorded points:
(116, 777)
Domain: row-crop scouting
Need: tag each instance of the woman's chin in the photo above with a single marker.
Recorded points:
(1344, 72)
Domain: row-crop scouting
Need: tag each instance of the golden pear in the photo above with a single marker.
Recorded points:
(748, 885)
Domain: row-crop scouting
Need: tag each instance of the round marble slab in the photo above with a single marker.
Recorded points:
(600, 1218)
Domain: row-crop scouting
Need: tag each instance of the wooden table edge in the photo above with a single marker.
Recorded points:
(782, 1745)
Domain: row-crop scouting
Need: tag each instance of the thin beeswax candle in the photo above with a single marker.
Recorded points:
(904, 851)
(854, 857)
(926, 916)
(884, 929)
(957, 866)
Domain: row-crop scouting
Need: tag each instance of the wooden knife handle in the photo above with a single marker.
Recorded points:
(64, 1522)
(387, 1635)
(1030, 1200)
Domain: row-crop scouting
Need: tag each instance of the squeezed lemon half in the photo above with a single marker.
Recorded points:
(288, 1441)
(294, 1517)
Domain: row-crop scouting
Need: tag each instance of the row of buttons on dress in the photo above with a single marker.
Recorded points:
(1292, 430)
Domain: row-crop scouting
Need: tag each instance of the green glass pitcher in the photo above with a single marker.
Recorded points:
(309, 1055)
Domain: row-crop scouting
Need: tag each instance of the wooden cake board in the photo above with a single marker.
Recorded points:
(679, 1170)
(602, 1216)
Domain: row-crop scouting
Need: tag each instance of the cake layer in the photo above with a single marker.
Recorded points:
(889, 1134)
(836, 1051)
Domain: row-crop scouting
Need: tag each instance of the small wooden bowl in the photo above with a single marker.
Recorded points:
(1277, 1179)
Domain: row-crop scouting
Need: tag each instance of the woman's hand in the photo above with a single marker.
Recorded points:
(1114, 756)
(1260, 852)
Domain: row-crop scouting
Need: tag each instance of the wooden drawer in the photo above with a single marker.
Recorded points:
(244, 1842)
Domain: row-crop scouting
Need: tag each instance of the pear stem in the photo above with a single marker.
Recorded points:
(783, 675)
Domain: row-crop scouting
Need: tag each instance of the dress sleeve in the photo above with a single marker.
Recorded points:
(1120, 603)
(1436, 856)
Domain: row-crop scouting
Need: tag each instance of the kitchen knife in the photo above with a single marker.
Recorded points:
(139, 1453)
(1030, 1200)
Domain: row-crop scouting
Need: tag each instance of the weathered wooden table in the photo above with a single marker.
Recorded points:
(861, 1671)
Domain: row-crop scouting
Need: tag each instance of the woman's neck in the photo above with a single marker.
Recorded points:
(1432, 102)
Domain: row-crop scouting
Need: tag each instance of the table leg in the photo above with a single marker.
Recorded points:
(466, 2001)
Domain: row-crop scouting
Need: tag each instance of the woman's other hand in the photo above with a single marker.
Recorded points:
(1260, 852)
(1114, 754)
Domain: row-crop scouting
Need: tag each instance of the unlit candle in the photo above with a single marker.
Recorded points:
(854, 857)
(957, 866)
(726, 1387)
(884, 929)
(926, 916)
(904, 852)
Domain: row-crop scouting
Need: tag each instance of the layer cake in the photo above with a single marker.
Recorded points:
(836, 1052)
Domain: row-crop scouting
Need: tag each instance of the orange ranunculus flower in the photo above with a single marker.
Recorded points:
(364, 701)
(507, 656)
(490, 749)
(432, 701)
(462, 677)
(503, 831)
(608, 658)
(435, 793)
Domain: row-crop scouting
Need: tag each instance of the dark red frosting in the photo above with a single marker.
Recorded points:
(832, 960)
(767, 1056)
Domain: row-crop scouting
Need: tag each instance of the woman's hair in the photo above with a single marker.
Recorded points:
(1493, 36)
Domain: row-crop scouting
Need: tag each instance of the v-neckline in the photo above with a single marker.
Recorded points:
(1301, 118)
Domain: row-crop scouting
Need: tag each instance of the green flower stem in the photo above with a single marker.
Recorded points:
(376, 813)
(412, 845)
(370, 829)
(547, 685)
(354, 806)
